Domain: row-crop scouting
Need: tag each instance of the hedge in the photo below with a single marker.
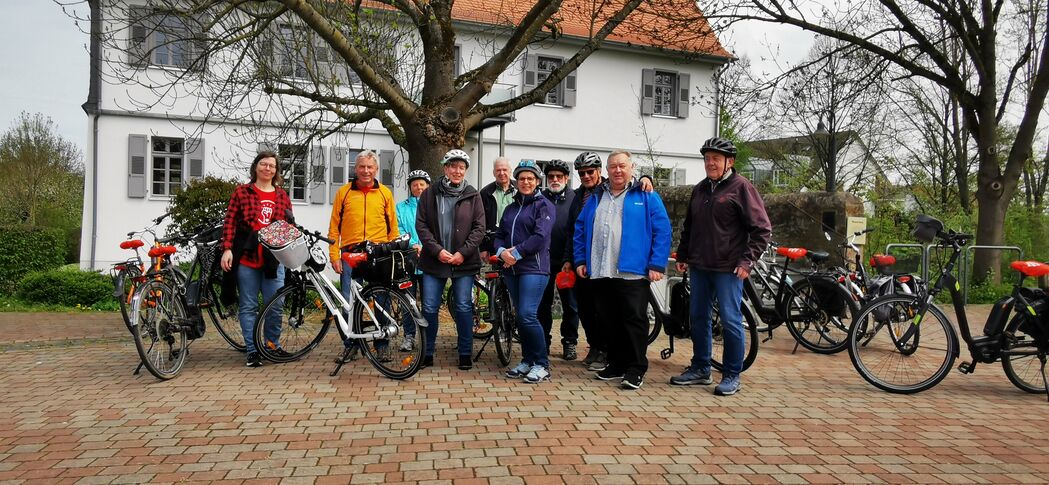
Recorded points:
(26, 249)
(69, 287)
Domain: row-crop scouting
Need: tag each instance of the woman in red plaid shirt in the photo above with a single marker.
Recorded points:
(251, 267)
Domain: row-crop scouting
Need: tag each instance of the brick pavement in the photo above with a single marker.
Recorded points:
(75, 414)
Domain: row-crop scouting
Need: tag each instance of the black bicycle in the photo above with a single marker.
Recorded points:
(906, 344)
(500, 311)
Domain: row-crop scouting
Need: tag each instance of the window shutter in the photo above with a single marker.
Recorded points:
(266, 146)
(136, 167)
(317, 171)
(199, 55)
(531, 71)
(570, 84)
(338, 171)
(138, 36)
(648, 91)
(678, 177)
(193, 158)
(386, 167)
(457, 70)
(683, 82)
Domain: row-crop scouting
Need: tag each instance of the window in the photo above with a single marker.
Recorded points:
(167, 165)
(290, 59)
(546, 66)
(665, 102)
(779, 177)
(294, 170)
(162, 39)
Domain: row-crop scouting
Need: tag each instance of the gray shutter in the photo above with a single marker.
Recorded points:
(317, 171)
(678, 177)
(648, 91)
(531, 71)
(199, 56)
(136, 166)
(193, 158)
(338, 171)
(683, 82)
(139, 32)
(458, 68)
(570, 85)
(266, 146)
(386, 167)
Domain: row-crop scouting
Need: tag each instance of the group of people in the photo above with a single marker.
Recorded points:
(612, 236)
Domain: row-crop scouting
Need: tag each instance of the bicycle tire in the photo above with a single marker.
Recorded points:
(479, 310)
(819, 312)
(301, 321)
(124, 286)
(391, 307)
(655, 320)
(159, 337)
(874, 345)
(504, 324)
(750, 337)
(1020, 358)
(224, 317)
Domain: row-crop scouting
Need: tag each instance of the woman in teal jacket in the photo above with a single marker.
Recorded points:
(418, 181)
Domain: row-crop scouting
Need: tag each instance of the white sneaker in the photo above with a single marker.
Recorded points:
(519, 371)
(537, 374)
(408, 345)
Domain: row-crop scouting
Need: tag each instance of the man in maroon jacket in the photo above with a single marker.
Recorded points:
(725, 231)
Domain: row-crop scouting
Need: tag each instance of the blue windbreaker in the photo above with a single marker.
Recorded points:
(646, 234)
(526, 227)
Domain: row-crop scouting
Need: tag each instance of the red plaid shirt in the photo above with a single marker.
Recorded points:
(243, 211)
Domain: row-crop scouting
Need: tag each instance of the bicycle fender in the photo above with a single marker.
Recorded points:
(418, 320)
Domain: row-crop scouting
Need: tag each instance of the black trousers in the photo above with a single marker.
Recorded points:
(569, 315)
(622, 311)
(586, 308)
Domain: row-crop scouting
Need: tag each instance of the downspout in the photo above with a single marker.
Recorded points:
(91, 108)
(717, 102)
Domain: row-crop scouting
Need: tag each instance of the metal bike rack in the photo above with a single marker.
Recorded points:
(924, 255)
(967, 257)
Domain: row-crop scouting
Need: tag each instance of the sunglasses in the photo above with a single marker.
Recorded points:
(587, 172)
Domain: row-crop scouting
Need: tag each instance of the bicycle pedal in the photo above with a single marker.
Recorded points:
(665, 354)
(966, 367)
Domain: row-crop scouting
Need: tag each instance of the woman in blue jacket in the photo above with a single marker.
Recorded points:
(523, 245)
(406, 210)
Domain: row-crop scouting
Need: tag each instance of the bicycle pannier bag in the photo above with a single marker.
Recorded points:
(394, 268)
(286, 243)
(999, 314)
(193, 314)
(678, 325)
(1036, 325)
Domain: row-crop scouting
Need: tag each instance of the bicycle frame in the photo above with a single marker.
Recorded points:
(338, 306)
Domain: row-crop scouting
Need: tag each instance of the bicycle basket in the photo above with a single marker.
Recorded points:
(286, 243)
(926, 228)
(396, 267)
(678, 325)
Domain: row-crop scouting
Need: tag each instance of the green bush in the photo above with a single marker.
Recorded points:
(202, 202)
(24, 249)
(69, 287)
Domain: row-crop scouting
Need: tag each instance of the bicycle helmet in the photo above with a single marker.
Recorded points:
(587, 160)
(418, 175)
(454, 155)
(528, 166)
(557, 165)
(720, 145)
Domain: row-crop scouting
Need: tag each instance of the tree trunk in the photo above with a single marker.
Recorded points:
(428, 136)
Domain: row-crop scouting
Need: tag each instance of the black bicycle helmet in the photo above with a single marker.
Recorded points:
(418, 175)
(557, 165)
(720, 145)
(587, 160)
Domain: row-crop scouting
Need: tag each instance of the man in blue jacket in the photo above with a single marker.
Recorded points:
(622, 242)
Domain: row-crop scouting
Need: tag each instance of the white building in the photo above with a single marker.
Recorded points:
(143, 145)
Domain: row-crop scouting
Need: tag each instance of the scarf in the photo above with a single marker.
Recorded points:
(447, 189)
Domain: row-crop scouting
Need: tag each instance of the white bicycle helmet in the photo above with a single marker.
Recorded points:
(418, 175)
(453, 155)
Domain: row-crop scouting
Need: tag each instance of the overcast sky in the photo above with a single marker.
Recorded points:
(45, 61)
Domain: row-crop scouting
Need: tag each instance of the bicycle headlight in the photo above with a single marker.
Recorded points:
(319, 255)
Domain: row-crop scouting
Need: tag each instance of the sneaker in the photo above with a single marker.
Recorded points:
(537, 374)
(729, 385)
(465, 362)
(692, 377)
(254, 359)
(632, 382)
(608, 374)
(519, 371)
(600, 363)
(591, 356)
(281, 353)
(570, 353)
(408, 345)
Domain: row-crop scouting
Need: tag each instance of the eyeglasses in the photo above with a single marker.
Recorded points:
(588, 172)
(556, 176)
(268, 165)
(528, 179)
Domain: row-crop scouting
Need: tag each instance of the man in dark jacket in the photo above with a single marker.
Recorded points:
(496, 196)
(725, 231)
(558, 176)
(450, 224)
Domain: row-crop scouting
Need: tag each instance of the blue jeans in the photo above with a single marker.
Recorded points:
(462, 310)
(728, 289)
(249, 282)
(345, 280)
(526, 291)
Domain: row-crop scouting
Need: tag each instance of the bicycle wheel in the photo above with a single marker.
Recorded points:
(481, 310)
(223, 317)
(750, 337)
(292, 323)
(124, 285)
(655, 324)
(158, 332)
(390, 309)
(1020, 358)
(888, 362)
(819, 312)
(504, 324)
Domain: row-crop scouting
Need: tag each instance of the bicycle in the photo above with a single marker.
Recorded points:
(500, 309)
(680, 326)
(911, 340)
(296, 319)
(128, 274)
(863, 286)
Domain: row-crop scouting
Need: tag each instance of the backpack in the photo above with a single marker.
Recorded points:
(679, 323)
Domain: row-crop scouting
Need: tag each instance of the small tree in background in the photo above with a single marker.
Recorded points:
(202, 202)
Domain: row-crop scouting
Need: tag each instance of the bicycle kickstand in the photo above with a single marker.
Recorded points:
(1045, 381)
(766, 339)
(347, 355)
(137, 369)
(796, 344)
(483, 345)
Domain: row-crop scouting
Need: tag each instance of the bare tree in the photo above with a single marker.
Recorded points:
(315, 67)
(916, 36)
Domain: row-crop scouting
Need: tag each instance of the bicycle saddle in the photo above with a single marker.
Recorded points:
(818, 256)
(1031, 268)
(132, 244)
(162, 251)
(791, 253)
(882, 260)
